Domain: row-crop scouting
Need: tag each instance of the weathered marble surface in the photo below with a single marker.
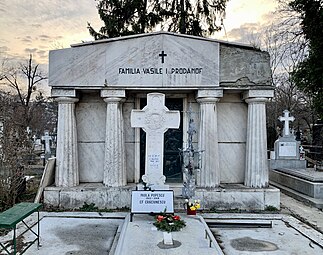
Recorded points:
(229, 197)
(244, 199)
(232, 158)
(77, 66)
(90, 161)
(287, 163)
(256, 172)
(97, 193)
(114, 159)
(124, 63)
(232, 122)
(67, 170)
(232, 128)
(209, 176)
(101, 145)
(244, 66)
(129, 136)
(90, 118)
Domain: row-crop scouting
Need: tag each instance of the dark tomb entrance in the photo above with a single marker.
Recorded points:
(173, 142)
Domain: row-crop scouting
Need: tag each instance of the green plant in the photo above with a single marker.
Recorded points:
(169, 222)
(271, 208)
(89, 207)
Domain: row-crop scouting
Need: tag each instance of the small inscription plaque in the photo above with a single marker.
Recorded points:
(287, 149)
(143, 201)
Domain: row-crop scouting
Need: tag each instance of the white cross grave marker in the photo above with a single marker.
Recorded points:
(47, 138)
(155, 119)
(286, 119)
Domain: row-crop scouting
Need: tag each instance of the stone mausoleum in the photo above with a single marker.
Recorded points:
(222, 86)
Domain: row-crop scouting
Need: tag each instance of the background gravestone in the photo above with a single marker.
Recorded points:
(287, 148)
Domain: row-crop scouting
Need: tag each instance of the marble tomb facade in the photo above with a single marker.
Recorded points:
(97, 85)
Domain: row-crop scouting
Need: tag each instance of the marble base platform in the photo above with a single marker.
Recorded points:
(306, 183)
(287, 163)
(97, 193)
(227, 197)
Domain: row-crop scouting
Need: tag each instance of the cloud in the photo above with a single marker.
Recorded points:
(29, 24)
(42, 53)
(3, 7)
(45, 38)
(30, 50)
(4, 49)
(249, 33)
(25, 40)
(36, 25)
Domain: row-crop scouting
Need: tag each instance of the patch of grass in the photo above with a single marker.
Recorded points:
(88, 208)
(234, 210)
(92, 208)
(271, 208)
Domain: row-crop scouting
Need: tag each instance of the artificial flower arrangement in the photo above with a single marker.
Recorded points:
(193, 205)
(169, 223)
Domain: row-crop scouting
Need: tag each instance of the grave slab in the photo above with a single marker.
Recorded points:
(73, 233)
(274, 240)
(302, 182)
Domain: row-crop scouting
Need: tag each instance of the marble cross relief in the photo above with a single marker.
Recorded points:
(155, 119)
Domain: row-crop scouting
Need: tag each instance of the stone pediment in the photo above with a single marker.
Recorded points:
(156, 60)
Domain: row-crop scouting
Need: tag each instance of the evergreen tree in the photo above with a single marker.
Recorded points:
(195, 17)
(309, 74)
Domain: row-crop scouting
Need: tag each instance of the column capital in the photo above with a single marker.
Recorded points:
(63, 92)
(208, 100)
(113, 93)
(66, 100)
(256, 100)
(112, 99)
(258, 93)
(209, 93)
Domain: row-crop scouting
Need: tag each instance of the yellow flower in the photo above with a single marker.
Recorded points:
(192, 208)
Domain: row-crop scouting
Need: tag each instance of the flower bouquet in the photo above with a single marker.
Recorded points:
(192, 206)
(168, 222)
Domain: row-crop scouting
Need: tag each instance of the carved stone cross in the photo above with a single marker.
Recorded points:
(286, 119)
(155, 119)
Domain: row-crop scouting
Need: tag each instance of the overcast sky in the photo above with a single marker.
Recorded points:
(29, 26)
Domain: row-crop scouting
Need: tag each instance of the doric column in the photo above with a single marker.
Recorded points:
(67, 172)
(114, 162)
(256, 169)
(209, 175)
